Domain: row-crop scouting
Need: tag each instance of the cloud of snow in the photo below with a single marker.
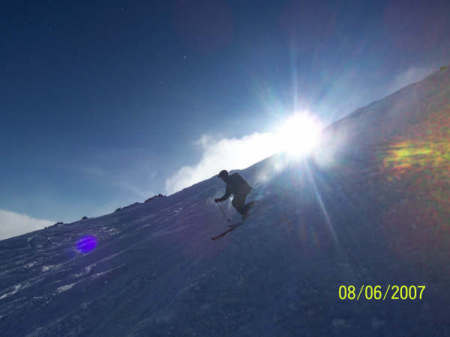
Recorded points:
(226, 153)
(13, 224)
(412, 75)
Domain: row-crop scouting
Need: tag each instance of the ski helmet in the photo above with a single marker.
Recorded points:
(223, 174)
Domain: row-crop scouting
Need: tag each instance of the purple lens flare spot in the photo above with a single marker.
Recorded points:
(87, 244)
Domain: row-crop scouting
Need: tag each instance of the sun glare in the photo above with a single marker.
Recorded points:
(299, 134)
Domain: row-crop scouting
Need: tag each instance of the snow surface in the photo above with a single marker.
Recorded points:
(334, 219)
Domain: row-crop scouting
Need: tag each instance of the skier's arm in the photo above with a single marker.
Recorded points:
(225, 196)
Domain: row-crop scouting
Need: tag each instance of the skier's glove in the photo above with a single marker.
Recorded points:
(217, 200)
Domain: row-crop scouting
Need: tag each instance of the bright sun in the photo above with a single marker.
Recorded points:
(299, 134)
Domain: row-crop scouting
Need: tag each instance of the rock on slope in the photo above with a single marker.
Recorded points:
(371, 207)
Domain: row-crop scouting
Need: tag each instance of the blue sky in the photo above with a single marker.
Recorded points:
(104, 102)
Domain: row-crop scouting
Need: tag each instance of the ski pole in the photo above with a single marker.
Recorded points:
(223, 213)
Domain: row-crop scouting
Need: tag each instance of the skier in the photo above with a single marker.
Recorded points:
(237, 186)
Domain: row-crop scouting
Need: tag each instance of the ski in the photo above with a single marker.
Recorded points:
(230, 229)
(234, 226)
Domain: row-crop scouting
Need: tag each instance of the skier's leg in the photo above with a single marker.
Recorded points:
(239, 203)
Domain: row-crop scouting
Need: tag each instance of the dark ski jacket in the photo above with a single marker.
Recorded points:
(236, 185)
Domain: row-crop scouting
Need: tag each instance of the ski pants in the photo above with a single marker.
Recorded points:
(239, 203)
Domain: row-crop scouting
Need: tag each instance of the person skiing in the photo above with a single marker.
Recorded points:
(237, 186)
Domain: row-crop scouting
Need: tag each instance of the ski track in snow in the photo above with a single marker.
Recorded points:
(17, 287)
(31, 264)
(168, 232)
(50, 267)
(64, 288)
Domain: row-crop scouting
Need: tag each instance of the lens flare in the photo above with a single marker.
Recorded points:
(87, 244)
(418, 165)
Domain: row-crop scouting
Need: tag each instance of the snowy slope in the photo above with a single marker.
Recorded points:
(370, 208)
